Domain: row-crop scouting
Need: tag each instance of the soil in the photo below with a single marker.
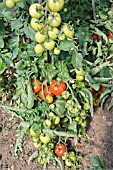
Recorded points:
(98, 141)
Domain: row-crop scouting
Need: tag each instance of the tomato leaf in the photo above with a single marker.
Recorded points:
(1, 42)
(2, 30)
(105, 72)
(30, 98)
(33, 156)
(14, 45)
(66, 45)
(2, 66)
(90, 98)
(7, 15)
(77, 59)
(29, 32)
(60, 109)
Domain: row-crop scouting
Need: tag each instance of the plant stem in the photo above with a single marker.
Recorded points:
(93, 6)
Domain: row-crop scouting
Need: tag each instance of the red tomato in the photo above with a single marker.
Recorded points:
(60, 149)
(102, 88)
(93, 91)
(41, 95)
(94, 36)
(100, 92)
(57, 88)
(109, 35)
(36, 85)
(44, 7)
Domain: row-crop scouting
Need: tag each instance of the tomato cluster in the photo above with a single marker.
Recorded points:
(11, 3)
(50, 29)
(47, 92)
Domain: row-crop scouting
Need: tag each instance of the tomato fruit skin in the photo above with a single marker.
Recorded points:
(86, 106)
(102, 88)
(109, 35)
(53, 33)
(40, 37)
(16, 1)
(95, 36)
(39, 49)
(56, 51)
(68, 162)
(79, 77)
(68, 30)
(61, 37)
(33, 11)
(47, 122)
(37, 145)
(10, 3)
(47, 91)
(41, 94)
(56, 119)
(55, 6)
(35, 139)
(49, 45)
(45, 138)
(65, 94)
(93, 91)
(60, 149)
(57, 88)
(32, 132)
(54, 19)
(35, 25)
(36, 85)
(49, 98)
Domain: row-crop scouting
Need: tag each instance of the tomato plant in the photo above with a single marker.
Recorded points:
(60, 149)
(36, 85)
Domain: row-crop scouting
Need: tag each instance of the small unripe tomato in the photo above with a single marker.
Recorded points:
(39, 49)
(56, 51)
(10, 3)
(49, 98)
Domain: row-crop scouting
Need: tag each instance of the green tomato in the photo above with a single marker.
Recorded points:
(77, 119)
(52, 106)
(10, 3)
(41, 160)
(83, 113)
(36, 10)
(73, 110)
(72, 156)
(86, 106)
(56, 119)
(64, 156)
(68, 30)
(47, 123)
(83, 124)
(39, 49)
(51, 114)
(40, 37)
(65, 94)
(55, 6)
(35, 139)
(80, 84)
(53, 33)
(37, 145)
(49, 45)
(36, 25)
(68, 162)
(61, 37)
(16, 1)
(50, 145)
(56, 51)
(80, 72)
(45, 138)
(79, 78)
(54, 19)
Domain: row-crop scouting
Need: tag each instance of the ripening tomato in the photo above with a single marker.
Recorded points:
(60, 149)
(45, 138)
(57, 88)
(36, 85)
(41, 94)
(110, 35)
(102, 88)
(36, 10)
(68, 30)
(39, 37)
(49, 98)
(93, 92)
(47, 91)
(36, 25)
(39, 49)
(32, 132)
(54, 19)
(95, 36)
(49, 45)
(10, 3)
(55, 6)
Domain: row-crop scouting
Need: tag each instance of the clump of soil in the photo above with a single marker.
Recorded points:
(98, 141)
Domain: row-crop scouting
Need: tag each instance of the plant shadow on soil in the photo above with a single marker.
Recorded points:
(99, 141)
